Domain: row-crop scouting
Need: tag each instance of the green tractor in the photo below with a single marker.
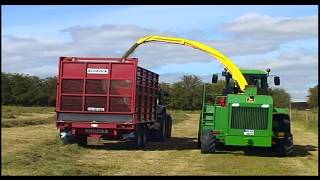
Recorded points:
(244, 114)
(244, 118)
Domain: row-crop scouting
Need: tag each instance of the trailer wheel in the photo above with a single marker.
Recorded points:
(66, 137)
(168, 126)
(199, 141)
(208, 143)
(82, 139)
(141, 137)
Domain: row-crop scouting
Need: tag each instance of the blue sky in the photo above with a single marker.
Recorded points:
(253, 36)
(42, 20)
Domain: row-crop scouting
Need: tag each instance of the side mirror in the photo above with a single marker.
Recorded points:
(224, 73)
(214, 78)
(161, 95)
(276, 80)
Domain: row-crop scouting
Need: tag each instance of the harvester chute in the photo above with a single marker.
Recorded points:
(223, 59)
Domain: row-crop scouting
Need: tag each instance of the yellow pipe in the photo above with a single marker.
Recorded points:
(223, 59)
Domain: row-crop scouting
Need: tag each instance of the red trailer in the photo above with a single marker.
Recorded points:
(109, 98)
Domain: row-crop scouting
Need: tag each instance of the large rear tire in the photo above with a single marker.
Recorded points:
(283, 146)
(66, 137)
(168, 126)
(141, 137)
(208, 143)
(283, 124)
(160, 133)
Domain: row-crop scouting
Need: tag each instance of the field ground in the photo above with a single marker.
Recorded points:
(35, 149)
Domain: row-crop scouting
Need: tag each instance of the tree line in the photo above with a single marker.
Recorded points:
(186, 94)
(26, 90)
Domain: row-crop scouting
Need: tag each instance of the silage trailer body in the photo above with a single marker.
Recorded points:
(105, 98)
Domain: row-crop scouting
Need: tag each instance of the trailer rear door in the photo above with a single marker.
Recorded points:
(96, 86)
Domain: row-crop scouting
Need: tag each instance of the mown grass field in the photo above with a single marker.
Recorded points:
(13, 116)
(35, 149)
(306, 119)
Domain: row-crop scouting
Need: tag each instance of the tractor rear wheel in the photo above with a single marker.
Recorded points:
(208, 143)
(160, 133)
(283, 146)
(283, 124)
(168, 126)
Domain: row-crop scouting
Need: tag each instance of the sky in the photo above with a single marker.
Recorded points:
(283, 38)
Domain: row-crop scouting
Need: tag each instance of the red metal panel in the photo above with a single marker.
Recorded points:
(121, 87)
(122, 71)
(58, 88)
(73, 70)
(97, 86)
(71, 103)
(88, 125)
(109, 84)
(120, 104)
(74, 86)
(92, 102)
(147, 90)
(82, 77)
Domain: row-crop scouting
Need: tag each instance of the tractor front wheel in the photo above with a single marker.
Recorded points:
(208, 143)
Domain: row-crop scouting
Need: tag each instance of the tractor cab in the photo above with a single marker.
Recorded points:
(253, 77)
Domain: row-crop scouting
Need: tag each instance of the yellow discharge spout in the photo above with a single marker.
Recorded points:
(223, 59)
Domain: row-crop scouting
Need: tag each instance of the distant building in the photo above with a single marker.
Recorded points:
(299, 105)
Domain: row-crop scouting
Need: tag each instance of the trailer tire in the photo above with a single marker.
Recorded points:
(168, 126)
(67, 138)
(82, 139)
(208, 143)
(141, 137)
(199, 141)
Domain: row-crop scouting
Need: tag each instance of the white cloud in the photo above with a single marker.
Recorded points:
(298, 71)
(278, 28)
(254, 34)
(94, 41)
(250, 34)
(174, 77)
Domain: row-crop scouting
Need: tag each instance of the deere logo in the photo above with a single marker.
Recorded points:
(250, 99)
